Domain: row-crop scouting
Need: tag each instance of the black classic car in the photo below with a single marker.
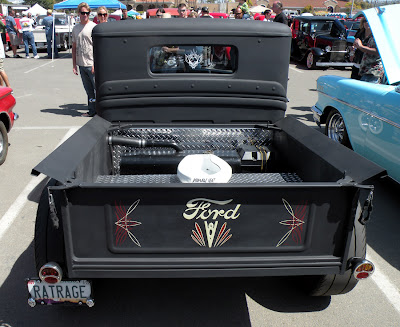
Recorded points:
(320, 41)
(190, 169)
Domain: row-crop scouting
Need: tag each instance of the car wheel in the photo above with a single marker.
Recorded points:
(310, 61)
(328, 285)
(64, 46)
(3, 143)
(335, 128)
(49, 236)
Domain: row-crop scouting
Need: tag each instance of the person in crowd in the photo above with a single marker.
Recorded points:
(27, 25)
(238, 13)
(48, 27)
(193, 14)
(3, 32)
(371, 68)
(356, 54)
(125, 15)
(245, 9)
(160, 12)
(205, 13)
(182, 10)
(12, 30)
(82, 55)
(72, 20)
(280, 17)
(102, 15)
(267, 15)
(3, 75)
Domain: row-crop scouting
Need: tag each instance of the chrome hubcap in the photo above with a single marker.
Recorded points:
(336, 128)
(310, 60)
(1, 143)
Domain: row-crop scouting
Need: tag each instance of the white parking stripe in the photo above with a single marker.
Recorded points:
(45, 127)
(50, 62)
(14, 210)
(296, 70)
(23, 96)
(382, 281)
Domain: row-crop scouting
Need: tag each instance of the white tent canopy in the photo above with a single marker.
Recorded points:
(36, 9)
(258, 9)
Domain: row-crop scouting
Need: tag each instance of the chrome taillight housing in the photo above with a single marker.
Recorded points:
(363, 269)
(50, 273)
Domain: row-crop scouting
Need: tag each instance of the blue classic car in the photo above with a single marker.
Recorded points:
(362, 115)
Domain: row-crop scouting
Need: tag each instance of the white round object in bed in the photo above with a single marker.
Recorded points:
(204, 168)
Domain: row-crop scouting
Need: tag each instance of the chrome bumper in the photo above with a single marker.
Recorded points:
(316, 115)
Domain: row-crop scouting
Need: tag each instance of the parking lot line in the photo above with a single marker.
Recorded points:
(12, 213)
(382, 281)
(50, 62)
(296, 70)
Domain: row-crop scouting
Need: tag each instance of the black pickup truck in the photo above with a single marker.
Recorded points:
(117, 205)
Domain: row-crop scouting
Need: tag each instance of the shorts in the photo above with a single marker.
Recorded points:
(14, 39)
(1, 65)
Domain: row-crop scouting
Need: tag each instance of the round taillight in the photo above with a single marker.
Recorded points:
(50, 273)
(51, 280)
(362, 275)
(363, 269)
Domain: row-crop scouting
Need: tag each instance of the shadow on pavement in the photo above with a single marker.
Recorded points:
(154, 302)
(73, 109)
(383, 228)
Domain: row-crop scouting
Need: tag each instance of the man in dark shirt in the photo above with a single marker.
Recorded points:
(280, 15)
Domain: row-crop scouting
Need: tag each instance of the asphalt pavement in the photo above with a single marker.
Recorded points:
(50, 101)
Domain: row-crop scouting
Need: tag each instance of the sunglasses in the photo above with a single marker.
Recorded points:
(182, 10)
(87, 13)
(104, 15)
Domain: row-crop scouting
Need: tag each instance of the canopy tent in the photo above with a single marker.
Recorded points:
(36, 10)
(258, 9)
(73, 4)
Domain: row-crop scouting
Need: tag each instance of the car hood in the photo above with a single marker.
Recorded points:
(385, 24)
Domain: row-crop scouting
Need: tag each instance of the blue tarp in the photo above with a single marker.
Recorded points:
(73, 4)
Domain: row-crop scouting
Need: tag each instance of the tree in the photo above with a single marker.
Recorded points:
(308, 8)
(48, 4)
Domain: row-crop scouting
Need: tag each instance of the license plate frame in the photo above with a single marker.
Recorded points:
(65, 292)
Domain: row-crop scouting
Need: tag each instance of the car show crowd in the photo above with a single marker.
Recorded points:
(364, 57)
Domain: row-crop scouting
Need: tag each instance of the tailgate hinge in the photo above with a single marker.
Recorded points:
(367, 208)
(53, 211)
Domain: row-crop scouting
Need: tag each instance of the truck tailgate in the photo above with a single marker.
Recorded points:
(150, 226)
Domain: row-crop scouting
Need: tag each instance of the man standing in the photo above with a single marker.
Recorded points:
(27, 35)
(11, 27)
(238, 13)
(48, 26)
(125, 15)
(182, 10)
(82, 55)
(280, 17)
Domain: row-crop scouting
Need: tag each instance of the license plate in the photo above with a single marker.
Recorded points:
(66, 291)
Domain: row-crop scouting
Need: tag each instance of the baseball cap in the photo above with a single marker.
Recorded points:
(204, 9)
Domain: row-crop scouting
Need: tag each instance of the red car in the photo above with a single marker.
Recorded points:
(151, 13)
(111, 18)
(219, 15)
(7, 118)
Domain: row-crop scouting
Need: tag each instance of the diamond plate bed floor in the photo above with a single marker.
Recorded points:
(172, 178)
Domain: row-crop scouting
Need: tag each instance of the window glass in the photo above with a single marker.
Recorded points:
(207, 59)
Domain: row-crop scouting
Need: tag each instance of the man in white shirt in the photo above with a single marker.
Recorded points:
(82, 55)
(27, 25)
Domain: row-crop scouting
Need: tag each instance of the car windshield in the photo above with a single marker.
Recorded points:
(59, 20)
(321, 26)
